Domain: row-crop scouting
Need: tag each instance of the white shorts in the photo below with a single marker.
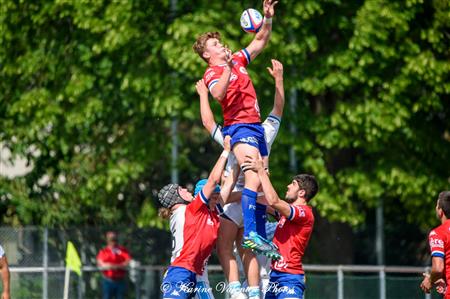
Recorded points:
(234, 212)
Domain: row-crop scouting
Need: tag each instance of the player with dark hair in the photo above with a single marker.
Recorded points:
(293, 232)
(194, 222)
(439, 239)
(227, 79)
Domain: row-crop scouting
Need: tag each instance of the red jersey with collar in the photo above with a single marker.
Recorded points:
(439, 240)
(115, 256)
(194, 228)
(291, 237)
(240, 105)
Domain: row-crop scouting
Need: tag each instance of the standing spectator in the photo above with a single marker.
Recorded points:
(116, 258)
(4, 270)
(439, 239)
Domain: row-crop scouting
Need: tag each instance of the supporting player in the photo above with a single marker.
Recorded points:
(439, 239)
(231, 223)
(229, 83)
(190, 215)
(293, 231)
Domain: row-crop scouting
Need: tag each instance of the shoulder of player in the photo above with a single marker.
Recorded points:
(302, 211)
(439, 230)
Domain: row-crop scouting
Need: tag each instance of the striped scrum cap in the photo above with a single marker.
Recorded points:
(168, 196)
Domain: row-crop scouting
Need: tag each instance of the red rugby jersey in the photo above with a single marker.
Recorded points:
(194, 228)
(240, 105)
(439, 240)
(291, 237)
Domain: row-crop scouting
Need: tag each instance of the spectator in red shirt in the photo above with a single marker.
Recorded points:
(116, 258)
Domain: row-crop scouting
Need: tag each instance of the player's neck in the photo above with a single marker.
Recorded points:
(300, 201)
(216, 61)
(443, 219)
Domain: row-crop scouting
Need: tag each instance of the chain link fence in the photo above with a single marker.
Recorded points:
(36, 258)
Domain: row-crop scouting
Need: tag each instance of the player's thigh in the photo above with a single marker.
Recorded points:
(242, 150)
(227, 235)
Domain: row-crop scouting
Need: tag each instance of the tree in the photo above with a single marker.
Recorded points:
(90, 88)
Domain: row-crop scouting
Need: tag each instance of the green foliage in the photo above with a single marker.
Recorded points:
(89, 89)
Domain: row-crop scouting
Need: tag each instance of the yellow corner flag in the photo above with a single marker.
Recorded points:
(73, 261)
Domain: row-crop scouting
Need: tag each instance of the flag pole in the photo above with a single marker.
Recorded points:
(66, 283)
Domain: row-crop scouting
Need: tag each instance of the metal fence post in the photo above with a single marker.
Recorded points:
(382, 283)
(340, 276)
(45, 265)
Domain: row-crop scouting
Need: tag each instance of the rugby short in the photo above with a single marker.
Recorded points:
(285, 286)
(177, 282)
(271, 127)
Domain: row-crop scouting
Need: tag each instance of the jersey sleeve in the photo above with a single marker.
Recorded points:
(298, 215)
(271, 126)
(436, 241)
(217, 135)
(243, 57)
(211, 77)
(198, 202)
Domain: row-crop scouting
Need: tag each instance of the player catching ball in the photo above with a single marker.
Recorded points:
(229, 83)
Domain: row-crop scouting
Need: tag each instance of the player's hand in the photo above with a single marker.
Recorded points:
(277, 70)
(202, 90)
(252, 163)
(227, 143)
(440, 286)
(269, 8)
(426, 283)
(229, 58)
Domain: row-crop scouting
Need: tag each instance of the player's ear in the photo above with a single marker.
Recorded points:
(301, 193)
(206, 55)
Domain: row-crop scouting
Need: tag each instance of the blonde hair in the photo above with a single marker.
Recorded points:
(200, 44)
(164, 213)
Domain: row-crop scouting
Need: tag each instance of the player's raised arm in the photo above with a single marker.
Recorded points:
(216, 173)
(277, 73)
(263, 36)
(205, 109)
(257, 165)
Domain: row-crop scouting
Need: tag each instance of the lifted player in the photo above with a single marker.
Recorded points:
(229, 83)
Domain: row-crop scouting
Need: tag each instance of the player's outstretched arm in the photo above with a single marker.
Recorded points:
(205, 109)
(257, 165)
(277, 73)
(216, 173)
(230, 182)
(263, 36)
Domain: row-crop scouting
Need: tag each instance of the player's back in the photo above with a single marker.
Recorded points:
(194, 229)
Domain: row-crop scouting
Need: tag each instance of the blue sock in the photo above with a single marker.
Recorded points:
(248, 203)
(260, 215)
